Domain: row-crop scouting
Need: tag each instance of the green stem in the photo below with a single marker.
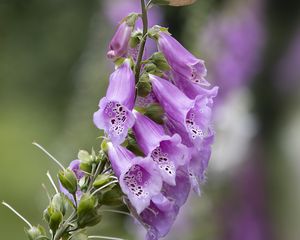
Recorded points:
(143, 41)
(63, 229)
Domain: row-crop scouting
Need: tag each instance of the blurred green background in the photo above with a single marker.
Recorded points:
(53, 71)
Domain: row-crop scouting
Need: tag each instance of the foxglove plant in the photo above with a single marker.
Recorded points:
(151, 154)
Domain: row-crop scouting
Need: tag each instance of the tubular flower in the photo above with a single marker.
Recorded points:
(193, 90)
(166, 151)
(75, 167)
(138, 177)
(191, 119)
(159, 217)
(181, 60)
(119, 44)
(115, 116)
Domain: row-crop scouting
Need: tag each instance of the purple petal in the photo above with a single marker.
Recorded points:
(121, 86)
(193, 90)
(75, 167)
(120, 41)
(138, 177)
(115, 119)
(189, 118)
(180, 192)
(166, 151)
(181, 60)
(159, 217)
(114, 115)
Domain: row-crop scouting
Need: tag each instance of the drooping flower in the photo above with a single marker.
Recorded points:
(181, 60)
(119, 44)
(166, 151)
(199, 164)
(138, 177)
(75, 167)
(191, 89)
(159, 217)
(116, 10)
(114, 115)
(191, 119)
(161, 214)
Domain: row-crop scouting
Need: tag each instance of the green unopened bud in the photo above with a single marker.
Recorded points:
(144, 86)
(86, 166)
(55, 219)
(104, 146)
(35, 233)
(160, 61)
(101, 180)
(113, 197)
(155, 112)
(84, 156)
(155, 30)
(175, 3)
(87, 212)
(150, 68)
(132, 145)
(131, 19)
(68, 180)
(59, 203)
(135, 39)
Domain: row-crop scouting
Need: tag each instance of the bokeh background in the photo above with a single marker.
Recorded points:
(53, 71)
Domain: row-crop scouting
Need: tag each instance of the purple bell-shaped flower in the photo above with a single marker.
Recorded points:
(114, 115)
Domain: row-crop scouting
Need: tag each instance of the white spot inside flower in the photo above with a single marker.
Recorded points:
(117, 117)
(136, 181)
(161, 158)
(194, 130)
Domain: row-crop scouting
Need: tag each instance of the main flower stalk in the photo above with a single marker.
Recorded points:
(143, 41)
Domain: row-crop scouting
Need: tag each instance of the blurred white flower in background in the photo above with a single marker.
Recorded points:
(235, 126)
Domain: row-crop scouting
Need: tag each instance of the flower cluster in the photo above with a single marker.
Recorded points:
(156, 117)
(160, 149)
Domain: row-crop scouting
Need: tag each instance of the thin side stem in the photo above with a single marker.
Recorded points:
(143, 42)
(18, 214)
(47, 153)
(60, 232)
(104, 186)
(105, 237)
(117, 211)
(52, 182)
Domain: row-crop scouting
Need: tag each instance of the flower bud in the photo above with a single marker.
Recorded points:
(101, 180)
(135, 39)
(155, 112)
(36, 233)
(144, 86)
(59, 203)
(69, 180)
(132, 145)
(160, 61)
(55, 219)
(119, 44)
(87, 212)
(84, 156)
(113, 197)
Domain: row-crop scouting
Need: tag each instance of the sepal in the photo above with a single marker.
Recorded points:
(69, 180)
(36, 233)
(87, 211)
(112, 197)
